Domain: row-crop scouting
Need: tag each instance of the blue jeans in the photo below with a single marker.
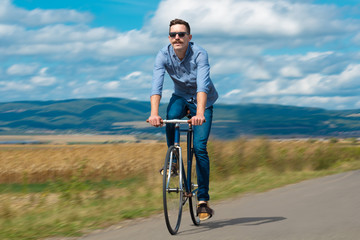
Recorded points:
(177, 110)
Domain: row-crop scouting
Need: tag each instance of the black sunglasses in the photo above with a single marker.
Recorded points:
(181, 34)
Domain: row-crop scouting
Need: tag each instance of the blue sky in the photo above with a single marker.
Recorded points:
(291, 52)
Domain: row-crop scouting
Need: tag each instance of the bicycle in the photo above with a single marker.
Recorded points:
(179, 186)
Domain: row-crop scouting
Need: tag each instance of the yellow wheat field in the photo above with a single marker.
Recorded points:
(40, 163)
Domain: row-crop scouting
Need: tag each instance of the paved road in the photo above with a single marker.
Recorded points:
(321, 209)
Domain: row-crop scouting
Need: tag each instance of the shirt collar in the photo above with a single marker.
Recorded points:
(188, 50)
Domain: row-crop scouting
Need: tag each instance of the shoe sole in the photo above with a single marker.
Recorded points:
(204, 216)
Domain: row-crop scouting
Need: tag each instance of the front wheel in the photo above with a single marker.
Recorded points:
(172, 191)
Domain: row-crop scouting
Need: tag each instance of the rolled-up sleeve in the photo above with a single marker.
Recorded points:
(158, 74)
(203, 80)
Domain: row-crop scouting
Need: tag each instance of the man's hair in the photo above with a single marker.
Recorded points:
(180, 21)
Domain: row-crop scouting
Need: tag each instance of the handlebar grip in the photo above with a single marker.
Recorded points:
(174, 121)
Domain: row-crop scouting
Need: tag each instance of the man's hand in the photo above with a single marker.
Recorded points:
(155, 121)
(198, 119)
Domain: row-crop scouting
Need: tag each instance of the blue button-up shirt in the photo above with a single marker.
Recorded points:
(190, 76)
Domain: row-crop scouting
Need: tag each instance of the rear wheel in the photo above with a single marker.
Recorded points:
(172, 192)
(193, 201)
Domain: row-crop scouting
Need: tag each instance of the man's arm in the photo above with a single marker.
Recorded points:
(155, 119)
(202, 80)
(157, 85)
(199, 119)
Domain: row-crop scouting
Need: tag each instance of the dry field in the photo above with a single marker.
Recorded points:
(41, 163)
(59, 161)
(63, 139)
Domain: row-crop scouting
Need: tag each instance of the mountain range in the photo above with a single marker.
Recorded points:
(124, 116)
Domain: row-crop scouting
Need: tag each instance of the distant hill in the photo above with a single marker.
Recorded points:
(279, 120)
(124, 116)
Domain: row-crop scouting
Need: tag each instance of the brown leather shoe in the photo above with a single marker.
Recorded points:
(204, 212)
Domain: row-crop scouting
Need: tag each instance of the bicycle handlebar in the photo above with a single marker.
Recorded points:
(174, 121)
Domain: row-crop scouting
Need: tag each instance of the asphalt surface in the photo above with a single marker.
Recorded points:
(327, 208)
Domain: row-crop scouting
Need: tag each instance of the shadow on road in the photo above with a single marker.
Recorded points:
(245, 221)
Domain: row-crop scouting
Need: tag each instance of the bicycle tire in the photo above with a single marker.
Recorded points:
(172, 194)
(193, 200)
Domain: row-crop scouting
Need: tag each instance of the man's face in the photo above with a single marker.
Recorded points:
(179, 43)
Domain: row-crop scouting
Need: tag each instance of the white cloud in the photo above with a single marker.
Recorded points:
(126, 86)
(92, 83)
(345, 82)
(69, 42)
(113, 85)
(252, 18)
(137, 79)
(131, 43)
(15, 86)
(104, 71)
(22, 69)
(37, 17)
(42, 79)
(231, 17)
(311, 84)
(241, 26)
(350, 76)
(70, 33)
(233, 93)
(253, 21)
(315, 55)
(43, 71)
(132, 75)
(229, 65)
(290, 71)
(257, 72)
(89, 87)
(8, 31)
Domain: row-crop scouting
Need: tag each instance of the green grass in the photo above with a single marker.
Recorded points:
(61, 186)
(75, 207)
(79, 205)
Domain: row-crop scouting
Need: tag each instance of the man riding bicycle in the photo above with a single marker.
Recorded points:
(188, 66)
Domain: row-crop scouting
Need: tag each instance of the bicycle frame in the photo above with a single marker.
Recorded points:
(187, 177)
(183, 188)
